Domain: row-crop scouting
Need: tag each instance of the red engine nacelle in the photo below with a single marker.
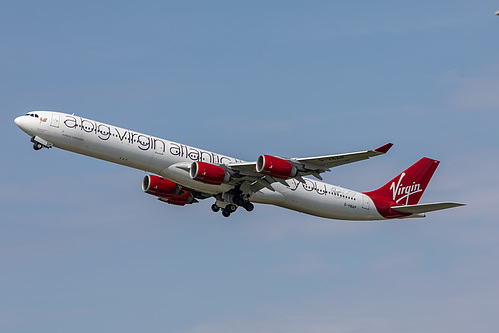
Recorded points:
(165, 190)
(208, 173)
(178, 200)
(159, 186)
(275, 167)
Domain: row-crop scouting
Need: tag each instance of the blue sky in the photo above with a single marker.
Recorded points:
(83, 249)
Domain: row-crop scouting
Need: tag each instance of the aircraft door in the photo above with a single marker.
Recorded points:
(365, 202)
(55, 120)
(159, 147)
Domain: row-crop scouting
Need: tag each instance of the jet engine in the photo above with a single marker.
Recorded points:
(178, 200)
(208, 173)
(166, 190)
(159, 186)
(275, 167)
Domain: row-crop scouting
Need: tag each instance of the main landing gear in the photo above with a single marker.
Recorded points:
(232, 207)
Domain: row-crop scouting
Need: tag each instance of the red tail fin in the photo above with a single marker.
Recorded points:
(408, 187)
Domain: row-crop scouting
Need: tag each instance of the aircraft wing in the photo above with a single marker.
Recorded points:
(246, 172)
(312, 165)
(426, 208)
(317, 165)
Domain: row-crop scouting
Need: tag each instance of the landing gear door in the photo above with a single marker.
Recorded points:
(55, 120)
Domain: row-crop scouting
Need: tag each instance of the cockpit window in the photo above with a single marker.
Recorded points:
(32, 115)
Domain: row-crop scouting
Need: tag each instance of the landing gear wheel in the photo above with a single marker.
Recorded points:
(239, 201)
(37, 146)
(225, 213)
(215, 208)
(248, 206)
(231, 208)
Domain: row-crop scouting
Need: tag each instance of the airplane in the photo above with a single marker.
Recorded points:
(179, 174)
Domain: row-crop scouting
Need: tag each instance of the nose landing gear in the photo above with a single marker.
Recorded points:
(39, 143)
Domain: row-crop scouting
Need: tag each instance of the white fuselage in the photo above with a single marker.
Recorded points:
(172, 160)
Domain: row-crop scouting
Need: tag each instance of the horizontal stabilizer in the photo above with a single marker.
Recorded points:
(425, 208)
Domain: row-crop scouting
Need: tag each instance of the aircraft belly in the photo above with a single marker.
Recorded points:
(266, 196)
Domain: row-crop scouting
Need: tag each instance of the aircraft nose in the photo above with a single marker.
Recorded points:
(22, 123)
(19, 121)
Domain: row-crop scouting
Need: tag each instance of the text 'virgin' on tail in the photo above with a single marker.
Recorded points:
(408, 187)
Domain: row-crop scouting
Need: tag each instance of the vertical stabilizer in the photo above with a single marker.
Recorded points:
(408, 187)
